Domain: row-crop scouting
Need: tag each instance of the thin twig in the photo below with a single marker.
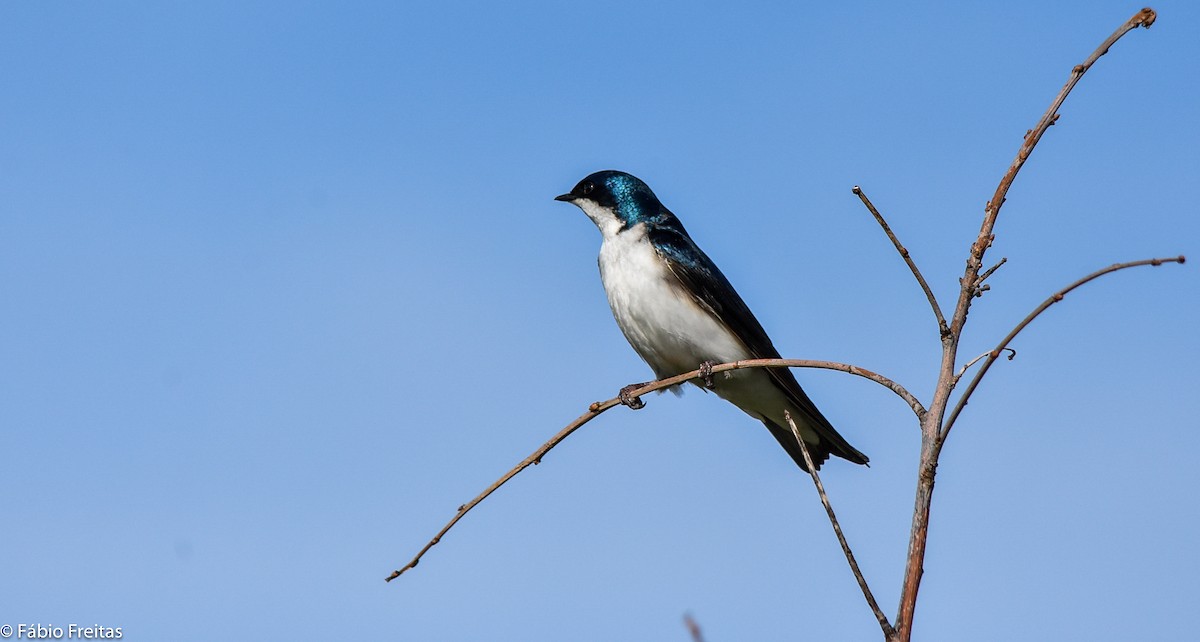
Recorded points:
(599, 407)
(943, 329)
(983, 277)
(1054, 298)
(888, 631)
(980, 286)
(1012, 355)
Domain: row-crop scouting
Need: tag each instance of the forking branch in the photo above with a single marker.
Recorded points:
(933, 433)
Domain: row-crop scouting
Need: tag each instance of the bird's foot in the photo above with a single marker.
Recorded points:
(706, 373)
(626, 396)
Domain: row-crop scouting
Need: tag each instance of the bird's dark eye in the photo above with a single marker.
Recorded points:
(587, 188)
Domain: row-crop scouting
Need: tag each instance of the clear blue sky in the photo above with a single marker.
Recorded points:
(282, 284)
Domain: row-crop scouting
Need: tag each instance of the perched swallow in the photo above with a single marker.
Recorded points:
(679, 312)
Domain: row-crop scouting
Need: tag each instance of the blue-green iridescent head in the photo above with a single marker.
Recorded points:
(626, 195)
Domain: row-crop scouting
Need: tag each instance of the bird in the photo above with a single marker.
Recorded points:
(680, 313)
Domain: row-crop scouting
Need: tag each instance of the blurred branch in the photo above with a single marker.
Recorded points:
(943, 329)
(693, 628)
(597, 408)
(888, 631)
(991, 357)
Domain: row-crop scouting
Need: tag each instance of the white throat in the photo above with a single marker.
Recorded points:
(603, 217)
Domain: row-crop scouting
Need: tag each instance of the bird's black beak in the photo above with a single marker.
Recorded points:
(565, 197)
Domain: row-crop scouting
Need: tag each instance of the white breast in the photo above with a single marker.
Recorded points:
(662, 322)
(670, 331)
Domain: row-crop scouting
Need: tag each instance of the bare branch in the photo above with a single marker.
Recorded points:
(707, 370)
(599, 407)
(943, 329)
(1143, 18)
(908, 397)
(1054, 298)
(888, 631)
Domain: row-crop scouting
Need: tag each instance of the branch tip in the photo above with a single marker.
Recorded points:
(1148, 17)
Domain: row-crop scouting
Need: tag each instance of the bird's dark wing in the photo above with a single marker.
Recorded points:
(712, 291)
